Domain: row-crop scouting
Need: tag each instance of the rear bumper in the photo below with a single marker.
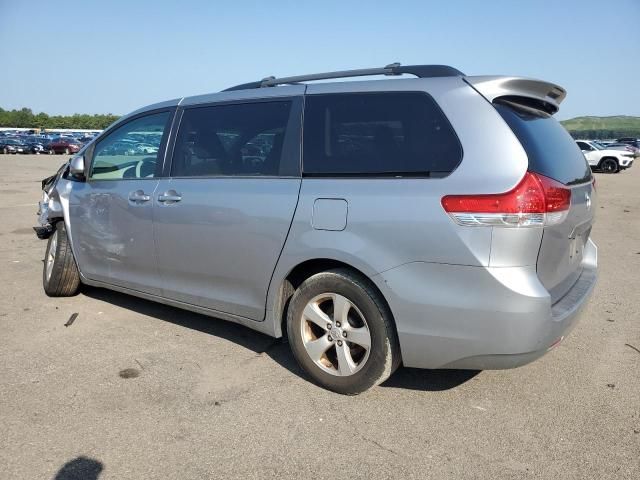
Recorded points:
(451, 316)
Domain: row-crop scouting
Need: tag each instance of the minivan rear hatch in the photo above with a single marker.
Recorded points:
(553, 153)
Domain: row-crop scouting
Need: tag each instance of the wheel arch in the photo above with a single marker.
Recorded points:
(609, 157)
(305, 269)
(59, 211)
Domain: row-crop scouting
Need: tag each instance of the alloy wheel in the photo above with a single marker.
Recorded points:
(51, 255)
(335, 334)
(609, 166)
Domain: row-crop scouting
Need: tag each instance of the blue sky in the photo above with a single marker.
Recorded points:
(114, 56)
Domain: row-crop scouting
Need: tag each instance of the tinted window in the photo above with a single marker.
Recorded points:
(584, 146)
(551, 150)
(231, 140)
(394, 134)
(132, 150)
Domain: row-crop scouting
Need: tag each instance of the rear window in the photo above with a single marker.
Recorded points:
(378, 134)
(551, 150)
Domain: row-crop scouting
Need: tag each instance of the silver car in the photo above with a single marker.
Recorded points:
(441, 221)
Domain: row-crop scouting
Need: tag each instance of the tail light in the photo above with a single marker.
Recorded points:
(536, 201)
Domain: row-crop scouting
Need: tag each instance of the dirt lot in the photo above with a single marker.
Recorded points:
(209, 399)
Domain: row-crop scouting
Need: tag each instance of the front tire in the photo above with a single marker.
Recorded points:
(609, 165)
(60, 275)
(342, 333)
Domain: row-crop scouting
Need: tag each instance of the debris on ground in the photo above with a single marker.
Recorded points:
(631, 346)
(72, 319)
(129, 373)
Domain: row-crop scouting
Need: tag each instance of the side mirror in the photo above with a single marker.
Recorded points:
(76, 167)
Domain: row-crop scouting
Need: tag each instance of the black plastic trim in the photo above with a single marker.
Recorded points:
(428, 71)
(420, 71)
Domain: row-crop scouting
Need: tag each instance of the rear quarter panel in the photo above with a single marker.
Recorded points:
(395, 221)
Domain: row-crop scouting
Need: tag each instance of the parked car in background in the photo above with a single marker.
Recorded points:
(145, 149)
(630, 141)
(13, 145)
(37, 145)
(65, 145)
(121, 147)
(604, 158)
(85, 139)
(624, 147)
(440, 222)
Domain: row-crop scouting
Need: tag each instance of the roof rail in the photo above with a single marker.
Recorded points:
(420, 71)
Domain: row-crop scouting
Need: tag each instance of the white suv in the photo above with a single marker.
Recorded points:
(602, 158)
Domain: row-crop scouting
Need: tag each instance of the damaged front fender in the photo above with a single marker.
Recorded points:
(50, 208)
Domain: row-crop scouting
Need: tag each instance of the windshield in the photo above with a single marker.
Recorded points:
(599, 146)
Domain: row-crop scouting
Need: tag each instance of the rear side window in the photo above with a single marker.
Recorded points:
(378, 134)
(244, 139)
(551, 150)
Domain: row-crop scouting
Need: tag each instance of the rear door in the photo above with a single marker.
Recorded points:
(222, 218)
(553, 153)
(111, 213)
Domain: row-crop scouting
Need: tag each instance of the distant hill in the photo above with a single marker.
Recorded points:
(603, 127)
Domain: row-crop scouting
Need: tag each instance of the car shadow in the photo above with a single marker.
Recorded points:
(80, 468)
(277, 349)
(429, 380)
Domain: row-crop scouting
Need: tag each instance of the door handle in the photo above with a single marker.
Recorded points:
(139, 197)
(169, 197)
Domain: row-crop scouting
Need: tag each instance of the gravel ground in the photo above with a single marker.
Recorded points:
(133, 389)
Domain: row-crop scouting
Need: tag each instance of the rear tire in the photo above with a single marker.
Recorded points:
(60, 275)
(609, 165)
(356, 345)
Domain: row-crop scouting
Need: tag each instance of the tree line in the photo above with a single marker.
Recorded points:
(605, 134)
(25, 118)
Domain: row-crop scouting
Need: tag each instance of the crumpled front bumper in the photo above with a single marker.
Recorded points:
(49, 207)
(44, 229)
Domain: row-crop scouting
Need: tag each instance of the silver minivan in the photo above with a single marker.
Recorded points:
(441, 221)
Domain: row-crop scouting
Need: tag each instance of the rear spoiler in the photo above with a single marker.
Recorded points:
(533, 93)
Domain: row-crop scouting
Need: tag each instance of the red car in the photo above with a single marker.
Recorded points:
(64, 145)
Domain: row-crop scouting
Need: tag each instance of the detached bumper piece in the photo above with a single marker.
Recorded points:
(43, 232)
